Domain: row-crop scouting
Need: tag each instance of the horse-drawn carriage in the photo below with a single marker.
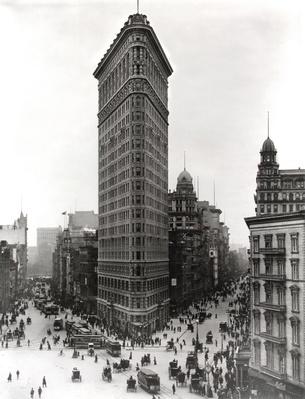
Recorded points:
(180, 379)
(76, 375)
(145, 360)
(170, 345)
(122, 366)
(131, 384)
(13, 319)
(173, 369)
(9, 336)
(106, 374)
(209, 338)
(28, 321)
(90, 349)
(191, 360)
(195, 385)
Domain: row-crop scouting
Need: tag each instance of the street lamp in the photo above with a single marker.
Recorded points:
(197, 337)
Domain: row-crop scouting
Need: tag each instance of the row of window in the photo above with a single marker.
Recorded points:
(285, 208)
(280, 241)
(276, 269)
(134, 303)
(276, 297)
(276, 360)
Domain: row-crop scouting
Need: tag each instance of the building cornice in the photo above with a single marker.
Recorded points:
(283, 217)
(129, 27)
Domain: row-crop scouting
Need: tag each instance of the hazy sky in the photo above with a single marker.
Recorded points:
(233, 61)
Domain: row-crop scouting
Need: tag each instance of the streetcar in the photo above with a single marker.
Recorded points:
(113, 348)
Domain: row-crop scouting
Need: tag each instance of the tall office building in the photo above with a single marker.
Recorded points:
(133, 180)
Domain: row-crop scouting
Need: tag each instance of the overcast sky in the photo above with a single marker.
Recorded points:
(233, 61)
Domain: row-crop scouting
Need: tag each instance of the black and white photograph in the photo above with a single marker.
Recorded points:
(152, 208)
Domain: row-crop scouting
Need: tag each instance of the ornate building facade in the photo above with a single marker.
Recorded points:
(278, 190)
(198, 245)
(133, 180)
(277, 257)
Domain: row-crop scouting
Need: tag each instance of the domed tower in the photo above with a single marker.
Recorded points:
(267, 180)
(185, 182)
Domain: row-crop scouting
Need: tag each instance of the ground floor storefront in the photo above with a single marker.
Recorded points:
(269, 387)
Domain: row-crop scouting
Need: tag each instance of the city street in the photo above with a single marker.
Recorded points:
(33, 363)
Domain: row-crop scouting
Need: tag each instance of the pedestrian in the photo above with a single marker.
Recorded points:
(130, 355)
(17, 374)
(29, 342)
(44, 382)
(174, 389)
(9, 378)
(155, 361)
(32, 393)
(95, 360)
(39, 392)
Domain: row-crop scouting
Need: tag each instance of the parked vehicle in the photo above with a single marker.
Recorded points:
(149, 380)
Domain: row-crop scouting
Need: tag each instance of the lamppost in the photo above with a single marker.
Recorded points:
(197, 337)
(208, 369)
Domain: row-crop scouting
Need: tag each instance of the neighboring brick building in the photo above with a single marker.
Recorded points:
(133, 180)
(277, 241)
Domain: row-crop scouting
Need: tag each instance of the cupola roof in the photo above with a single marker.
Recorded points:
(184, 177)
(268, 146)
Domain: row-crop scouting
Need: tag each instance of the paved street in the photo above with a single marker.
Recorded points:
(33, 363)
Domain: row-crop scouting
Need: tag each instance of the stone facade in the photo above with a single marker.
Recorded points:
(277, 259)
(133, 180)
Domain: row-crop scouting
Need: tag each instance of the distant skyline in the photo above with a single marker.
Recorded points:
(233, 61)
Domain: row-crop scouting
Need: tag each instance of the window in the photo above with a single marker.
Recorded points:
(256, 267)
(294, 269)
(262, 208)
(280, 240)
(269, 355)
(268, 292)
(295, 356)
(257, 322)
(284, 208)
(281, 296)
(281, 267)
(269, 321)
(256, 289)
(295, 327)
(268, 266)
(295, 298)
(294, 242)
(268, 241)
(256, 244)
(257, 353)
(281, 325)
